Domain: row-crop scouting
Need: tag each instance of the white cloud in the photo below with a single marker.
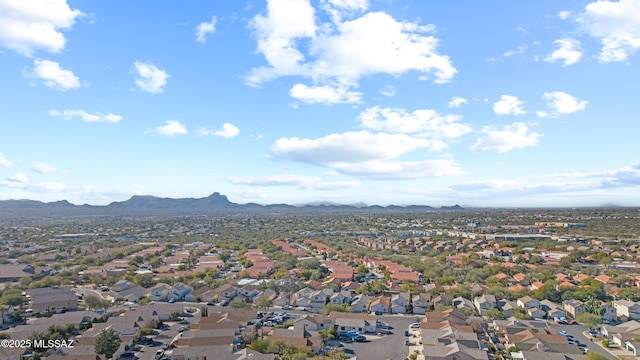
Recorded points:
(456, 102)
(273, 180)
(569, 52)
(564, 103)
(508, 105)
(53, 75)
(397, 170)
(304, 182)
(325, 94)
(26, 26)
(4, 162)
(150, 78)
(520, 50)
(228, 131)
(616, 24)
(44, 168)
(564, 15)
(171, 128)
(542, 114)
(422, 122)
(510, 137)
(85, 116)
(342, 52)
(350, 147)
(338, 9)
(389, 91)
(204, 29)
(18, 178)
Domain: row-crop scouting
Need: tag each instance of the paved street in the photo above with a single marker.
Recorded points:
(577, 332)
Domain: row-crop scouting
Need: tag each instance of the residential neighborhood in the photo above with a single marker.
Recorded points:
(459, 292)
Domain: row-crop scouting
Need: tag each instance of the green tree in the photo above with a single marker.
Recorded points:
(493, 314)
(590, 320)
(94, 302)
(592, 355)
(260, 345)
(107, 343)
(264, 303)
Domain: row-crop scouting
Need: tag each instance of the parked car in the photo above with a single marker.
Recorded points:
(359, 338)
(159, 354)
(415, 326)
(182, 328)
(406, 333)
(287, 307)
(563, 333)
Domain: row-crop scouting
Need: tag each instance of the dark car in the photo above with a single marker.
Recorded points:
(359, 338)
(128, 355)
(406, 333)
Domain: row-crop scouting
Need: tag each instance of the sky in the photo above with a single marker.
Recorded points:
(485, 103)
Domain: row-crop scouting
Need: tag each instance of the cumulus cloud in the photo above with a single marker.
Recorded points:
(564, 15)
(86, 116)
(44, 168)
(424, 122)
(4, 162)
(350, 147)
(204, 29)
(53, 76)
(18, 178)
(510, 137)
(324, 94)
(340, 52)
(508, 105)
(569, 52)
(150, 78)
(26, 26)
(563, 103)
(456, 102)
(171, 128)
(616, 24)
(228, 131)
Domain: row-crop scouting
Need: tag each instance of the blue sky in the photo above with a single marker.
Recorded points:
(492, 103)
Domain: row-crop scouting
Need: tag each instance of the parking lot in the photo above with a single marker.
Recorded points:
(390, 346)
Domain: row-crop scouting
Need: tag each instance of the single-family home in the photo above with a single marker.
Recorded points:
(527, 302)
(573, 308)
(360, 303)
(421, 303)
(627, 309)
(485, 302)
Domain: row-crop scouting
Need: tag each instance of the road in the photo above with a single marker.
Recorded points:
(577, 332)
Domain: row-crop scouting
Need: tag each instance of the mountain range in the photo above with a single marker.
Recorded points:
(214, 204)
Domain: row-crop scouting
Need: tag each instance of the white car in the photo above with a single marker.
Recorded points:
(415, 326)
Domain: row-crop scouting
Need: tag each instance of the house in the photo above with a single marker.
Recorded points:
(181, 292)
(400, 302)
(627, 309)
(380, 305)
(442, 300)
(421, 303)
(507, 307)
(527, 302)
(52, 300)
(227, 291)
(485, 302)
(573, 308)
(159, 292)
(249, 292)
(536, 313)
(314, 323)
(354, 322)
(339, 298)
(610, 313)
(318, 299)
(463, 303)
(268, 294)
(552, 309)
(13, 273)
(302, 297)
(360, 303)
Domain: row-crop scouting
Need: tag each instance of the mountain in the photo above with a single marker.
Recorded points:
(214, 204)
